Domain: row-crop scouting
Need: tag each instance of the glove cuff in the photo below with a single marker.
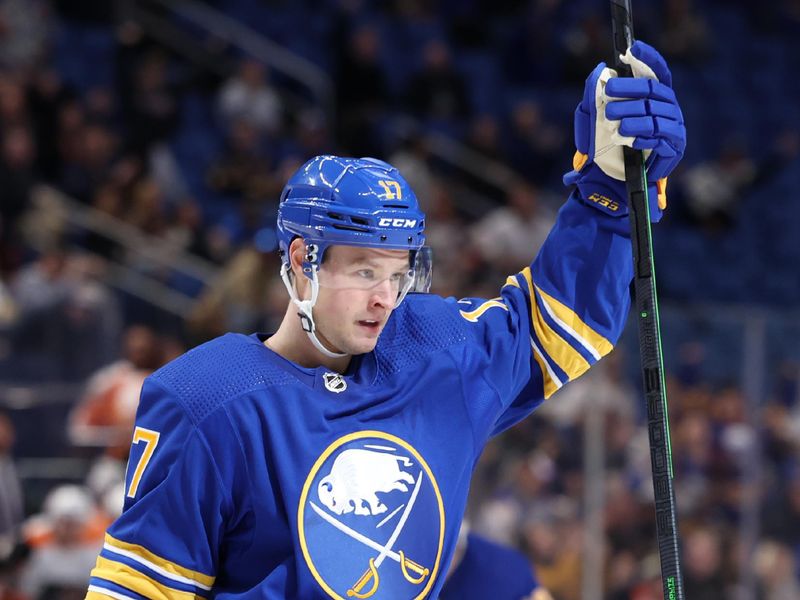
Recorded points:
(611, 196)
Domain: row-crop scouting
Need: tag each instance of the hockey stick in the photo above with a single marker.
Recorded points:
(649, 335)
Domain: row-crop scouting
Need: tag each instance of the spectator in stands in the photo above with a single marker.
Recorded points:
(527, 482)
(588, 37)
(622, 572)
(775, 567)
(61, 305)
(685, 36)
(713, 189)
(628, 512)
(312, 137)
(249, 97)
(513, 233)
(89, 155)
(91, 320)
(69, 121)
(62, 560)
(11, 564)
(108, 201)
(437, 92)
(44, 283)
(24, 33)
(237, 299)
(703, 574)
(11, 499)
(146, 208)
(606, 389)
(104, 416)
(13, 105)
(554, 545)
(185, 231)
(151, 111)
(46, 95)
(530, 53)
(445, 230)
(648, 585)
(17, 177)
(534, 146)
(8, 311)
(362, 92)
(693, 435)
(483, 136)
(412, 158)
(781, 510)
(243, 170)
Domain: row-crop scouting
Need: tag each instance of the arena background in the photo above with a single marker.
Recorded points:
(143, 147)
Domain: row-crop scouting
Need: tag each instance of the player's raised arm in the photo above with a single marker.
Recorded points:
(560, 315)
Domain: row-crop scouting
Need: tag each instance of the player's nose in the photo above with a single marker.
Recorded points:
(383, 294)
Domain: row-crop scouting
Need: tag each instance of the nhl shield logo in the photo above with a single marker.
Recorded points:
(371, 519)
(334, 382)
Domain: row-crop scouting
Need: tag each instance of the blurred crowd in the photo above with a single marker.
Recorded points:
(193, 161)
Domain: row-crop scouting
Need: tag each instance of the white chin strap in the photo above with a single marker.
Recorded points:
(305, 308)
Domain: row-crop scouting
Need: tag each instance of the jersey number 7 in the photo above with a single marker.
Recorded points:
(150, 439)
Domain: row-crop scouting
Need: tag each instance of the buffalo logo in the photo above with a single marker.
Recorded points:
(355, 478)
(334, 382)
(371, 519)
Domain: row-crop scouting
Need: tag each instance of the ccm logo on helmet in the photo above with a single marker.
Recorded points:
(388, 222)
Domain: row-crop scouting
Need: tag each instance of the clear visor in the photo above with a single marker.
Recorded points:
(390, 278)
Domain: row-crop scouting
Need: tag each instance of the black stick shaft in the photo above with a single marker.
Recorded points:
(649, 336)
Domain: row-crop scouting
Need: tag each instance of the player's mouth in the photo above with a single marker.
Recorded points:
(370, 325)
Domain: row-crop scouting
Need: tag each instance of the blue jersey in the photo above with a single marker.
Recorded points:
(490, 570)
(252, 477)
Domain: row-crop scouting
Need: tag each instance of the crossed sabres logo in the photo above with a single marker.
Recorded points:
(344, 504)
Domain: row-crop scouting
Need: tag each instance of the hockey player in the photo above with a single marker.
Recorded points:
(333, 458)
(482, 568)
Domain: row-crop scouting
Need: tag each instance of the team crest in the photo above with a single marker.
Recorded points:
(371, 519)
(334, 382)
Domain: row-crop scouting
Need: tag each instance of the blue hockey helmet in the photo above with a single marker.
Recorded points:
(352, 202)
(364, 202)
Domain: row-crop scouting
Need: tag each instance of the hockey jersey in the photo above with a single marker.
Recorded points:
(252, 477)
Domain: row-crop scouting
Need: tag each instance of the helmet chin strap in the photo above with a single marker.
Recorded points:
(305, 308)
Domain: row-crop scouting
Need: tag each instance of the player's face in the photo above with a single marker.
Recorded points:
(358, 291)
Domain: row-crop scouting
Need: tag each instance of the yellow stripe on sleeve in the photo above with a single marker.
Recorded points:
(595, 343)
(511, 280)
(158, 564)
(474, 315)
(136, 581)
(565, 356)
(92, 595)
(551, 383)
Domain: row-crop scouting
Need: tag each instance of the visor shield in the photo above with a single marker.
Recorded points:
(423, 270)
(394, 280)
(393, 284)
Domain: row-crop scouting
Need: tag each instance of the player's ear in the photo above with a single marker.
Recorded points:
(297, 251)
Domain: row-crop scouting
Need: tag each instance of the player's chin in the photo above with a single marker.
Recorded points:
(364, 345)
(364, 342)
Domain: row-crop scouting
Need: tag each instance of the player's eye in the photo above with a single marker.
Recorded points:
(396, 277)
(368, 274)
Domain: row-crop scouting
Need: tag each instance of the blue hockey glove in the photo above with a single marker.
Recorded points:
(641, 112)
